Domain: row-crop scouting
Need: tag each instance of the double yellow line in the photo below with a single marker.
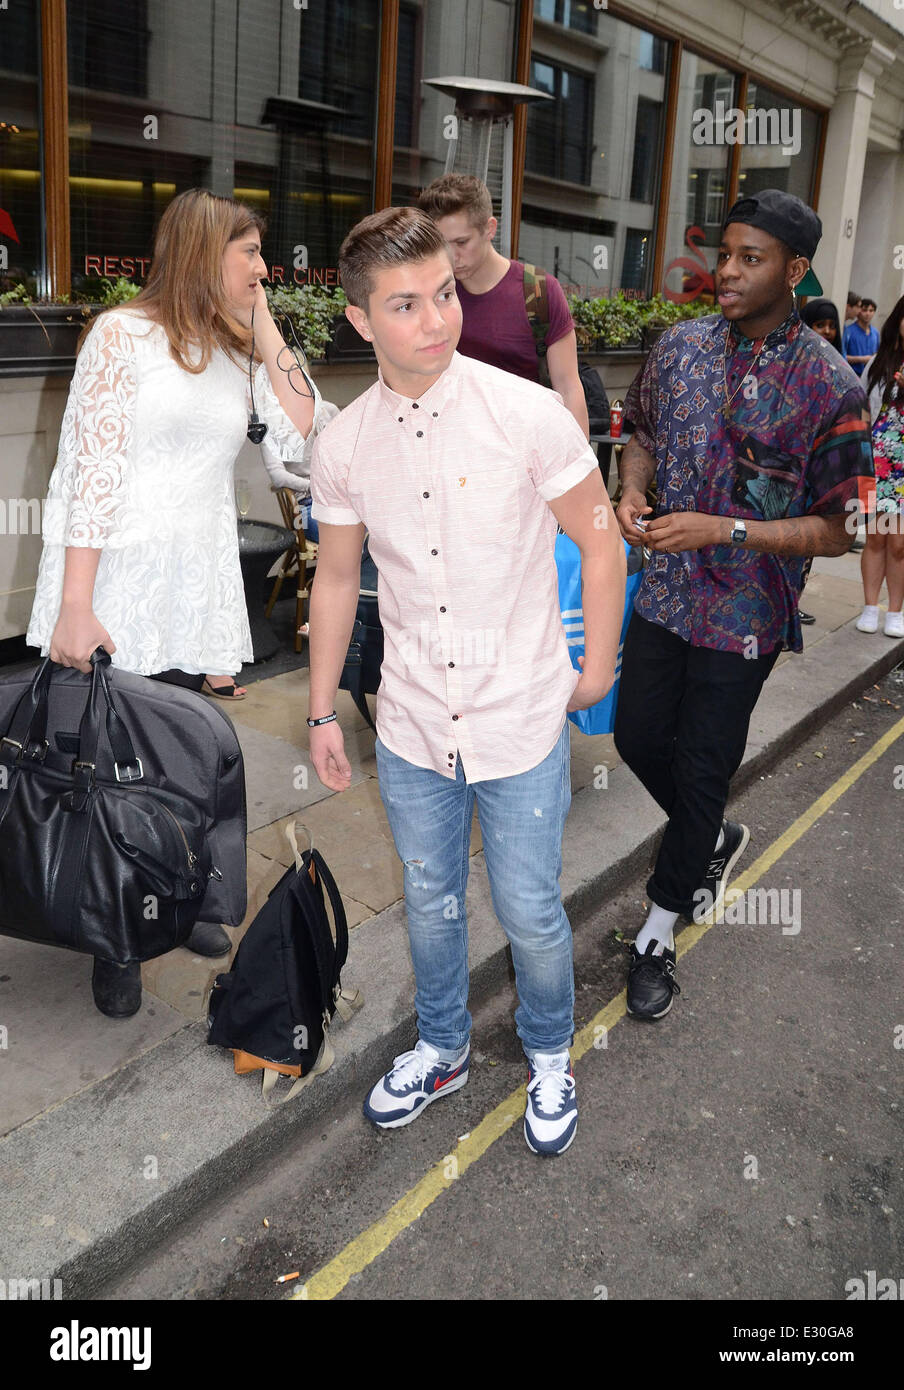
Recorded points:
(364, 1249)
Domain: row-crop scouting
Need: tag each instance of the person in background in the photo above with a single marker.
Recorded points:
(850, 311)
(861, 339)
(141, 549)
(822, 316)
(883, 557)
(490, 288)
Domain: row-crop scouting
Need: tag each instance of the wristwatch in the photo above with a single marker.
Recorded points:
(738, 530)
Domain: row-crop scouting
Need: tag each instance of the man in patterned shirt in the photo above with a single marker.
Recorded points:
(751, 425)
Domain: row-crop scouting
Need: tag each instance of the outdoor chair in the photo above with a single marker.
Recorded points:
(296, 560)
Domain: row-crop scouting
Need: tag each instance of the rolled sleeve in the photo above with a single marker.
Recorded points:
(560, 457)
(329, 489)
(569, 477)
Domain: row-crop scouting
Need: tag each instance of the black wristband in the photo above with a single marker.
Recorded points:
(327, 719)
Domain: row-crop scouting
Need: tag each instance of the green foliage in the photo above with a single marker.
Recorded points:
(310, 309)
(17, 295)
(618, 322)
(659, 312)
(117, 292)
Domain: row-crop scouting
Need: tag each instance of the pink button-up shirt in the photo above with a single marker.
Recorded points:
(453, 489)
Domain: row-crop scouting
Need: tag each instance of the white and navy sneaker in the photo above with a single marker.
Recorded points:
(551, 1117)
(416, 1079)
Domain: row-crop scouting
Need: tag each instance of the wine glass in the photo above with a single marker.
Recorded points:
(242, 497)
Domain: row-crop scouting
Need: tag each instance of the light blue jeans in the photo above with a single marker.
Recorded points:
(522, 819)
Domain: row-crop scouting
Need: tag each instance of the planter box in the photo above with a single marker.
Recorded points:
(37, 339)
(652, 336)
(347, 345)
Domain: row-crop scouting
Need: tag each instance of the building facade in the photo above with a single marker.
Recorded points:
(659, 113)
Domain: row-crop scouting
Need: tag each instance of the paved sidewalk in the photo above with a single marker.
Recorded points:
(87, 1102)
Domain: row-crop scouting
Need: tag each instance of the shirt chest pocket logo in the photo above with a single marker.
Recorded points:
(485, 502)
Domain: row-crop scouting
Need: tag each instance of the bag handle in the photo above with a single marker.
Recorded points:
(126, 767)
(27, 735)
(27, 732)
(329, 963)
(318, 861)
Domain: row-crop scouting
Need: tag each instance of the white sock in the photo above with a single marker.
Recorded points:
(659, 928)
(721, 840)
(871, 610)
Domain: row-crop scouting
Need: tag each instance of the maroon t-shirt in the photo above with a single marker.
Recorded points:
(495, 327)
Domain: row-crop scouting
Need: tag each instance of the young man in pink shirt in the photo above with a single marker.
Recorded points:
(495, 325)
(460, 471)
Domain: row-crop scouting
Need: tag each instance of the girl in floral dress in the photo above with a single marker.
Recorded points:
(883, 555)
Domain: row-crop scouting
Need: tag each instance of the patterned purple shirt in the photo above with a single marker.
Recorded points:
(793, 444)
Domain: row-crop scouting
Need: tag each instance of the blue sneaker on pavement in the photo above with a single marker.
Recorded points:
(551, 1117)
(417, 1078)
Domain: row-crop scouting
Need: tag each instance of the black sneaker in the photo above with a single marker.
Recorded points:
(651, 982)
(737, 838)
(805, 617)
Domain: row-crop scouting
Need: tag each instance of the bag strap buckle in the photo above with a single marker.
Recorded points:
(129, 772)
(13, 743)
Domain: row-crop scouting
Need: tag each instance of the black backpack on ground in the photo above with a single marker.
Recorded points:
(274, 1007)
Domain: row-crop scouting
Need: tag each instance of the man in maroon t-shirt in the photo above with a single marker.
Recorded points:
(495, 325)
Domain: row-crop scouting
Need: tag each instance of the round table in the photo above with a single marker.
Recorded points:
(260, 543)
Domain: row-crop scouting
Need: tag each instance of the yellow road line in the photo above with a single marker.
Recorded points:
(364, 1249)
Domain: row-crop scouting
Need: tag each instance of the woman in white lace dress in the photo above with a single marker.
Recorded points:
(140, 541)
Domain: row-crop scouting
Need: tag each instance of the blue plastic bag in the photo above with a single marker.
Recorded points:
(598, 718)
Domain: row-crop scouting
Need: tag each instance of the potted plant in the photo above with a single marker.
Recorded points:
(605, 324)
(658, 314)
(39, 335)
(316, 316)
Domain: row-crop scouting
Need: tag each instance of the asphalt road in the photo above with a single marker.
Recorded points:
(748, 1146)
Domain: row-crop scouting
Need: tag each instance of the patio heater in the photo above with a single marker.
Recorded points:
(481, 105)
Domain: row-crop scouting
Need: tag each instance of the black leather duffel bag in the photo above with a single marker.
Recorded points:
(122, 812)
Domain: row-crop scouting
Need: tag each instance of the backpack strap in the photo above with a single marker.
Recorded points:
(325, 1059)
(536, 304)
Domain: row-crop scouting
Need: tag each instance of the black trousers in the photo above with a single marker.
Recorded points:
(681, 726)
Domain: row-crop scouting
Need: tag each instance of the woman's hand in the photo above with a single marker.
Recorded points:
(76, 635)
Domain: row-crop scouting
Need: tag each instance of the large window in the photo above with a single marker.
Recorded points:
(278, 110)
(783, 139)
(558, 132)
(21, 243)
(460, 38)
(700, 174)
(107, 43)
(573, 14)
(647, 141)
(604, 149)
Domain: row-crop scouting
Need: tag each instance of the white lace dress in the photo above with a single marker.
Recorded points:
(144, 473)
